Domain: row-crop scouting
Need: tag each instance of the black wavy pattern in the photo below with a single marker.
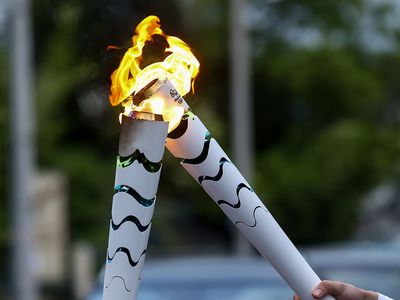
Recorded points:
(237, 205)
(199, 159)
(254, 216)
(179, 130)
(125, 161)
(131, 191)
(132, 219)
(182, 127)
(217, 177)
(128, 255)
(123, 280)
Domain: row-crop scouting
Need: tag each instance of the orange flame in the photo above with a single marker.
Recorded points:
(180, 67)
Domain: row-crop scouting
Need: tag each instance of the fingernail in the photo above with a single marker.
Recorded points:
(317, 293)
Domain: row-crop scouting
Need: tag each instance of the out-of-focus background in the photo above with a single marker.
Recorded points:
(321, 79)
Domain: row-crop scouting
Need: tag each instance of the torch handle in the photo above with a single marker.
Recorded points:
(206, 162)
(141, 147)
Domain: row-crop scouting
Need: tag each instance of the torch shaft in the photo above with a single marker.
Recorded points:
(141, 147)
(205, 161)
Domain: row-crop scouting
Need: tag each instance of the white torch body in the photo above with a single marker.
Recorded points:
(206, 162)
(141, 148)
(209, 165)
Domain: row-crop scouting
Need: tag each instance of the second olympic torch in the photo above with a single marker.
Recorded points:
(203, 158)
(208, 164)
(141, 147)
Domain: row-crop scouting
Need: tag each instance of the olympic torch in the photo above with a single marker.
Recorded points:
(203, 158)
(141, 147)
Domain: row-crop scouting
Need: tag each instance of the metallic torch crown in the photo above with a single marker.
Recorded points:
(161, 88)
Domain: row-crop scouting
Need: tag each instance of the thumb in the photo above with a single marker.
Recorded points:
(328, 287)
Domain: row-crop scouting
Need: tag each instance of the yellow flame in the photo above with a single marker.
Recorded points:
(180, 67)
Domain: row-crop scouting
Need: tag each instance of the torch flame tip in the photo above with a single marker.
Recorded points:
(129, 82)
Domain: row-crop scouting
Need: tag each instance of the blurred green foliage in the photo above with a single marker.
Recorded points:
(326, 134)
(326, 114)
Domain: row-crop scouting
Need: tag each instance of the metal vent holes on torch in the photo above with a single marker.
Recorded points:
(141, 148)
(208, 164)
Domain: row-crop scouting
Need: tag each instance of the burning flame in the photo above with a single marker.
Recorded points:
(180, 67)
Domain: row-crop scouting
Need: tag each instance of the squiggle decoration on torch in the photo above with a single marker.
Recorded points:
(217, 177)
(254, 216)
(236, 205)
(123, 281)
(128, 255)
(180, 129)
(125, 161)
(131, 219)
(202, 157)
(131, 191)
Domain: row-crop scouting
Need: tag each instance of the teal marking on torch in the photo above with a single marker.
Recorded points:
(125, 161)
(132, 192)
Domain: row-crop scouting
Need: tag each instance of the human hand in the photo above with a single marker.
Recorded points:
(341, 291)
